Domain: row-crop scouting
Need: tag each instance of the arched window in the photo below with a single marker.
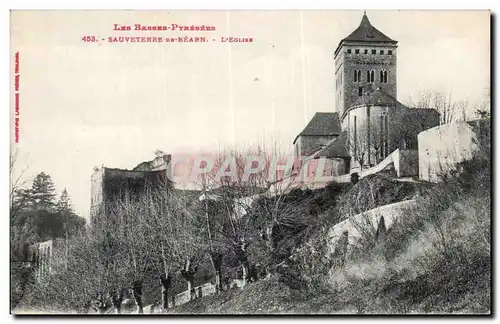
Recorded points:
(383, 76)
(357, 75)
(370, 76)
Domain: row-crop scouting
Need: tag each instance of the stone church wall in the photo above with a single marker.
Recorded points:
(364, 62)
(308, 144)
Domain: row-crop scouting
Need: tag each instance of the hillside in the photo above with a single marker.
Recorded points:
(306, 253)
(434, 260)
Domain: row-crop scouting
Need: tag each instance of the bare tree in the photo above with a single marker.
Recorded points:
(483, 107)
(234, 204)
(448, 108)
(174, 239)
(360, 145)
(17, 199)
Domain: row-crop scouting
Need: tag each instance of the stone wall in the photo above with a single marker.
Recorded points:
(356, 225)
(306, 145)
(40, 256)
(111, 185)
(442, 147)
(378, 130)
(96, 191)
(366, 126)
(347, 63)
(406, 163)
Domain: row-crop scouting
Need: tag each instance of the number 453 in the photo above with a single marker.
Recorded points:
(89, 39)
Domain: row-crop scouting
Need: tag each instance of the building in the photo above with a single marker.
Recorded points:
(364, 61)
(40, 257)
(109, 185)
(369, 122)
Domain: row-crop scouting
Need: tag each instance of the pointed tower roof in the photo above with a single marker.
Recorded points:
(366, 33)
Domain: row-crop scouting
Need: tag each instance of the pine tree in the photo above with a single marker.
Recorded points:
(42, 192)
(64, 203)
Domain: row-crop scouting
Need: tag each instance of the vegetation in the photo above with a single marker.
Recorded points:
(146, 249)
(36, 216)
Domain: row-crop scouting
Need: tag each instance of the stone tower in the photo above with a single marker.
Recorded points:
(364, 61)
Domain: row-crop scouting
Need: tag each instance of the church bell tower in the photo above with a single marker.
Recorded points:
(364, 61)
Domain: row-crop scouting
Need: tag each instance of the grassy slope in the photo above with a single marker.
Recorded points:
(439, 262)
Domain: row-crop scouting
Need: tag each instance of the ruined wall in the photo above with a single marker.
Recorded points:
(442, 147)
(112, 185)
(158, 163)
(406, 163)
(367, 221)
(96, 191)
(40, 256)
(121, 184)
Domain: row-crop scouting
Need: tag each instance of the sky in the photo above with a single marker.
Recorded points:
(86, 104)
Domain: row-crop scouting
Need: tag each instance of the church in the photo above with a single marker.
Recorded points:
(368, 123)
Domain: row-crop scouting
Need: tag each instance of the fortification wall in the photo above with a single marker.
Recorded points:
(442, 147)
(356, 225)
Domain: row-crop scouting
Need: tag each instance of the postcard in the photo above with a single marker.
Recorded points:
(270, 162)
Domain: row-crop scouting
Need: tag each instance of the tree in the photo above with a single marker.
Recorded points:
(17, 199)
(159, 153)
(448, 108)
(229, 198)
(159, 236)
(483, 108)
(359, 145)
(64, 204)
(42, 192)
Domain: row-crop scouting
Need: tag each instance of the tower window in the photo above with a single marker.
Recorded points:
(370, 76)
(389, 52)
(357, 75)
(366, 51)
(360, 91)
(374, 51)
(383, 76)
(356, 51)
(349, 51)
(381, 51)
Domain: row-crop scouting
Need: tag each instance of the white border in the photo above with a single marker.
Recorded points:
(181, 4)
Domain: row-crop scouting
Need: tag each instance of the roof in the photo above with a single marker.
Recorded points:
(377, 97)
(335, 148)
(366, 33)
(322, 123)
